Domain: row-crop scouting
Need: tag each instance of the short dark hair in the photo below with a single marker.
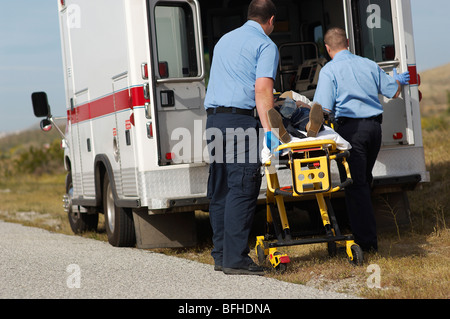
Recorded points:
(261, 11)
(336, 38)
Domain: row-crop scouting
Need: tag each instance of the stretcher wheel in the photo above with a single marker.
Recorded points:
(260, 254)
(278, 260)
(358, 255)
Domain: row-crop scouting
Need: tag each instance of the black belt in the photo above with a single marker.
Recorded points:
(342, 120)
(231, 110)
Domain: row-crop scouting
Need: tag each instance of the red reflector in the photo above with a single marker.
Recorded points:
(420, 96)
(398, 136)
(170, 156)
(285, 260)
(414, 80)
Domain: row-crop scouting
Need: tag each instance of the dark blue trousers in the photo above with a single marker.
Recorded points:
(233, 185)
(365, 137)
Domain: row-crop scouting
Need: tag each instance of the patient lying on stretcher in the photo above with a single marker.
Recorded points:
(295, 119)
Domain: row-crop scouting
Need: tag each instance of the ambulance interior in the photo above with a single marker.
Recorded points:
(298, 33)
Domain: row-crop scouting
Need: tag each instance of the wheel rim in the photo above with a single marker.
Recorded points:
(110, 209)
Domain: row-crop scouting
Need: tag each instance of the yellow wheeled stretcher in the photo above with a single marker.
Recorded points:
(309, 162)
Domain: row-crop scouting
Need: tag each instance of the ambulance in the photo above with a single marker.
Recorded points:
(136, 73)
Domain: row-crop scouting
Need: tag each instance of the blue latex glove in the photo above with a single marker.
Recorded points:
(272, 142)
(402, 78)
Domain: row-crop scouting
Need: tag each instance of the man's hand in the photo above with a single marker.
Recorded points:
(402, 78)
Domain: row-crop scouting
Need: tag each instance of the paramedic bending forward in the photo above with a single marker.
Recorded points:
(349, 86)
(242, 75)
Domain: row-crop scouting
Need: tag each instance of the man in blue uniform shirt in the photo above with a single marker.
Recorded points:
(242, 74)
(349, 86)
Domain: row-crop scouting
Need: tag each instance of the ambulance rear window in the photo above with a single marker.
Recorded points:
(374, 35)
(175, 41)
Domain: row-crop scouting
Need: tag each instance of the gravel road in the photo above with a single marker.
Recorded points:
(35, 263)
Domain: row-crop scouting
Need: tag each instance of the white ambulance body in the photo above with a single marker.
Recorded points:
(135, 74)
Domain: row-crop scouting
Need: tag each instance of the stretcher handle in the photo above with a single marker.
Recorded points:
(345, 184)
(344, 154)
(309, 144)
(278, 162)
(279, 191)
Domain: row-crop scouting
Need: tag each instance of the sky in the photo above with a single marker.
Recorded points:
(30, 54)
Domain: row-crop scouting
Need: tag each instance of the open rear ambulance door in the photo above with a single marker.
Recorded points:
(376, 31)
(178, 75)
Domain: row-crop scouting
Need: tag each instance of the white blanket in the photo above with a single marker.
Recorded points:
(327, 134)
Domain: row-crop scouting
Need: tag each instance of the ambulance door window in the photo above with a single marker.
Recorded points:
(318, 39)
(374, 34)
(175, 41)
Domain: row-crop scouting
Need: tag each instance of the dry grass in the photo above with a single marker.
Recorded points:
(418, 270)
(435, 84)
(35, 201)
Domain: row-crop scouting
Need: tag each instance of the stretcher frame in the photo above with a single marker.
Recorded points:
(309, 162)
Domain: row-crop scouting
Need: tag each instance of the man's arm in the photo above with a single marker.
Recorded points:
(398, 91)
(401, 79)
(264, 100)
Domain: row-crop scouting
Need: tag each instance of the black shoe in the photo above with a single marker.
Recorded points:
(252, 269)
(218, 267)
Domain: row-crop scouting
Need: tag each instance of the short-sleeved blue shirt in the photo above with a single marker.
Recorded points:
(240, 57)
(350, 85)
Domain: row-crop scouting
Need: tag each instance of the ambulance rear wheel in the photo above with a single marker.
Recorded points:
(79, 222)
(119, 223)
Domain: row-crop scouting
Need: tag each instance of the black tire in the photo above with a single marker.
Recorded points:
(260, 254)
(358, 255)
(118, 220)
(79, 222)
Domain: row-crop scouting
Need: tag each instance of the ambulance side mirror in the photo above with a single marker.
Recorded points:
(40, 104)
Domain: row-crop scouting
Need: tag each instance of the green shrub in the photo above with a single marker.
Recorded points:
(45, 159)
